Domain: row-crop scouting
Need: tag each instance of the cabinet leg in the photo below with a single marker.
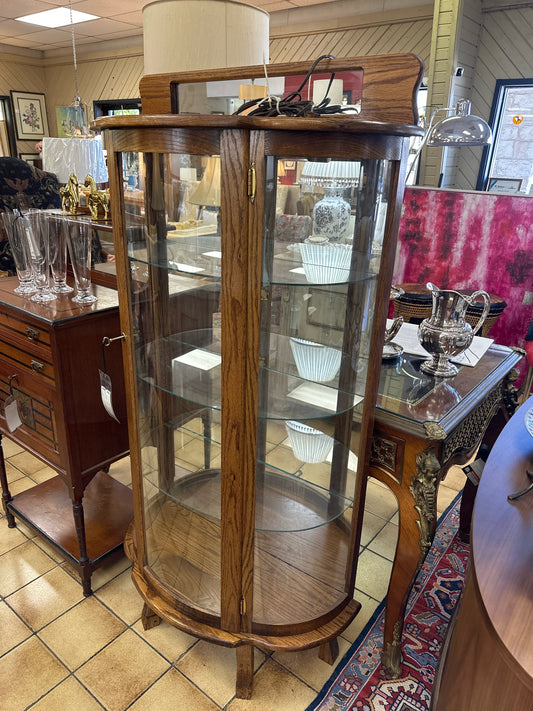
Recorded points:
(149, 618)
(6, 495)
(83, 562)
(245, 671)
(329, 651)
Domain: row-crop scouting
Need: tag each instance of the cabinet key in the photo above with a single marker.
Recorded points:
(32, 334)
(36, 366)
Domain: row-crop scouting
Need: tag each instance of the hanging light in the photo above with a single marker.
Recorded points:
(80, 109)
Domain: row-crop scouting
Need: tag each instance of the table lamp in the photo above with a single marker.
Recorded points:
(207, 194)
(331, 215)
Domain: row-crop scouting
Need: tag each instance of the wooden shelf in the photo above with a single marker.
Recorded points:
(107, 507)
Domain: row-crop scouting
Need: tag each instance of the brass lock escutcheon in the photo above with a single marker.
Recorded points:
(32, 334)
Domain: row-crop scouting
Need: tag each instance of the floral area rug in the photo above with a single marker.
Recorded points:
(358, 683)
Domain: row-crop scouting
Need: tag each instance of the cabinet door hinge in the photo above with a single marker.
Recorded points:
(251, 182)
(242, 607)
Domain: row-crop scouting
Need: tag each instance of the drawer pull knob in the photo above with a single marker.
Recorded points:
(36, 366)
(32, 334)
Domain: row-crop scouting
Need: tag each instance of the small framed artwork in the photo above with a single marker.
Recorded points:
(504, 185)
(32, 158)
(30, 115)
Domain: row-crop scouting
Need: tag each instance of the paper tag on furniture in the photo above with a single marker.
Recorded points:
(11, 412)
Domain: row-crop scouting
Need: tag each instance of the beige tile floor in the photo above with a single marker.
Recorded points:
(60, 651)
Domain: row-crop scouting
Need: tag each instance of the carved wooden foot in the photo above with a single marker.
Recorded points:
(149, 618)
(245, 671)
(329, 651)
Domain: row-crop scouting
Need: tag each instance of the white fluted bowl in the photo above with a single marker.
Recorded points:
(326, 263)
(315, 361)
(309, 445)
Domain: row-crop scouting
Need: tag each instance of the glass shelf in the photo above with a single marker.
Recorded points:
(287, 503)
(201, 255)
(190, 365)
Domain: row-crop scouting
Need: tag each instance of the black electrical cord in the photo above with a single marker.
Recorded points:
(293, 104)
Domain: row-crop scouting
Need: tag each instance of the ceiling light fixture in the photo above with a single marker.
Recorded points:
(58, 17)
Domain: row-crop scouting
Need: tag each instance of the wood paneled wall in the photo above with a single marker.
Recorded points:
(99, 77)
(382, 33)
(504, 52)
(19, 73)
(444, 45)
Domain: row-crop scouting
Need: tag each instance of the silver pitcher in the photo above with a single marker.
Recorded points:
(446, 333)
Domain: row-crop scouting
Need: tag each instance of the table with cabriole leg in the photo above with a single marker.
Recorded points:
(423, 426)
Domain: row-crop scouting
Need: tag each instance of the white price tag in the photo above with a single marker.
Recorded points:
(106, 394)
(11, 412)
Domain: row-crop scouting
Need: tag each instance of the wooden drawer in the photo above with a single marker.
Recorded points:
(38, 431)
(22, 354)
(11, 326)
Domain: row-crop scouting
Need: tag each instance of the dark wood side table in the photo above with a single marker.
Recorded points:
(488, 664)
(423, 426)
(49, 360)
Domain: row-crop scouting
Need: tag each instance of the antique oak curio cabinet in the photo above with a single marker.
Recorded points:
(254, 280)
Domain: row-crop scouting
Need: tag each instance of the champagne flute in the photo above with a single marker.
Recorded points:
(79, 236)
(39, 248)
(16, 234)
(57, 231)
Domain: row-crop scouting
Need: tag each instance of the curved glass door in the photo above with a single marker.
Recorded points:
(174, 256)
(323, 231)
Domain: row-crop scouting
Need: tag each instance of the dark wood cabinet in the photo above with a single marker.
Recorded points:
(49, 361)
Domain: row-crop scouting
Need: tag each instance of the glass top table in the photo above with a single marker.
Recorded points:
(424, 425)
(411, 400)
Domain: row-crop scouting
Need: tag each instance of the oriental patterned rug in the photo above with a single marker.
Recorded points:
(358, 683)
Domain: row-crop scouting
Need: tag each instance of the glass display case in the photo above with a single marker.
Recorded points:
(254, 310)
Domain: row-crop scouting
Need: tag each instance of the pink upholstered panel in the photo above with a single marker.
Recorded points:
(471, 240)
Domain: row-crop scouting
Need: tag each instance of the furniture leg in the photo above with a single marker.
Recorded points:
(245, 671)
(6, 495)
(84, 564)
(416, 521)
(467, 506)
(329, 651)
(149, 618)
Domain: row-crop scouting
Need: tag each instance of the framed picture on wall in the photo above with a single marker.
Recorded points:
(32, 158)
(504, 185)
(30, 115)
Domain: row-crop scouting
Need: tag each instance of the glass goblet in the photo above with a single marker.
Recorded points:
(57, 233)
(14, 228)
(79, 247)
(39, 247)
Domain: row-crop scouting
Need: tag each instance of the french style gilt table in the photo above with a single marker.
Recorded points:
(423, 426)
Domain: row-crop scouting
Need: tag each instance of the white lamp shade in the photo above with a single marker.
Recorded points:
(81, 156)
(181, 35)
(208, 191)
(334, 173)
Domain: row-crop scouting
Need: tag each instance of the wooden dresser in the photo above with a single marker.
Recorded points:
(50, 357)
(488, 664)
